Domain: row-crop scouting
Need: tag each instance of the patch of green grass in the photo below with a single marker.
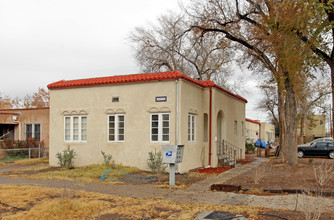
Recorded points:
(10, 159)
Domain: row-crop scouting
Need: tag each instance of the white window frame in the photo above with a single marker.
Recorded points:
(33, 130)
(160, 127)
(191, 127)
(80, 129)
(116, 128)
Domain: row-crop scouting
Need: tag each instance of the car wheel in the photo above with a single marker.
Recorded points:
(331, 155)
(301, 154)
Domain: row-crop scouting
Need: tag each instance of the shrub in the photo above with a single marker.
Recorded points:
(249, 147)
(106, 158)
(154, 162)
(9, 143)
(66, 159)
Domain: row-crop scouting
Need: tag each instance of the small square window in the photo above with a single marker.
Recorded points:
(115, 99)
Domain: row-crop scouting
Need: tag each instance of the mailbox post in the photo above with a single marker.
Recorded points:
(172, 154)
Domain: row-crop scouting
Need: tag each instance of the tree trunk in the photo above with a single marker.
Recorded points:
(301, 132)
(331, 65)
(291, 120)
(281, 114)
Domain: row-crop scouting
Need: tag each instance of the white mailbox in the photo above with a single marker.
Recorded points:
(172, 154)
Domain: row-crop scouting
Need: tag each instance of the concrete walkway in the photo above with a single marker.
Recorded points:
(197, 193)
(223, 177)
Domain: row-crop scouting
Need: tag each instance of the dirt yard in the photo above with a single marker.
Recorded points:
(278, 175)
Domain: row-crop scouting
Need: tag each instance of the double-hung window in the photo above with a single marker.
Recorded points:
(191, 127)
(75, 128)
(116, 128)
(33, 131)
(160, 127)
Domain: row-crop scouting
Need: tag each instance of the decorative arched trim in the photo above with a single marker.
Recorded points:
(153, 109)
(115, 111)
(75, 112)
(109, 111)
(83, 112)
(120, 111)
(156, 109)
(164, 109)
(65, 113)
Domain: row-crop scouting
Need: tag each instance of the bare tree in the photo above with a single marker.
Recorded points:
(171, 45)
(253, 26)
(39, 99)
(313, 94)
(316, 29)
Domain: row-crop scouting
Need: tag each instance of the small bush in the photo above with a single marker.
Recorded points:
(310, 160)
(66, 159)
(106, 158)
(154, 162)
(249, 147)
(9, 143)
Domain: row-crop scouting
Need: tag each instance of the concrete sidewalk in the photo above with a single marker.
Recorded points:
(222, 177)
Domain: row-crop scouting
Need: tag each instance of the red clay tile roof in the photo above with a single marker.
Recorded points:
(137, 78)
(253, 121)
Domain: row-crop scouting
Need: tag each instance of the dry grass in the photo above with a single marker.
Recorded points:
(309, 206)
(260, 172)
(91, 173)
(45, 203)
(27, 162)
(32, 161)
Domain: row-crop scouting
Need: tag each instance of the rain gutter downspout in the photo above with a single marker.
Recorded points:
(210, 125)
(176, 112)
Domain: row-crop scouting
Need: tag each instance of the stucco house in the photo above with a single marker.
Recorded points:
(256, 129)
(252, 130)
(130, 115)
(267, 131)
(20, 124)
(314, 127)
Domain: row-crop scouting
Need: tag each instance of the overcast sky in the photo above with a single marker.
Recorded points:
(44, 41)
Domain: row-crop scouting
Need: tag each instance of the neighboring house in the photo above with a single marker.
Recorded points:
(267, 132)
(252, 130)
(314, 128)
(20, 124)
(256, 129)
(129, 116)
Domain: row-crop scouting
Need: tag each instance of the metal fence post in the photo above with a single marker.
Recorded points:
(39, 150)
(29, 153)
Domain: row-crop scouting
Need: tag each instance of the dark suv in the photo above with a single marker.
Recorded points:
(320, 148)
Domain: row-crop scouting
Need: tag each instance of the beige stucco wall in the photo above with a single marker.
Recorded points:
(267, 131)
(232, 110)
(137, 102)
(253, 131)
(193, 100)
(318, 128)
